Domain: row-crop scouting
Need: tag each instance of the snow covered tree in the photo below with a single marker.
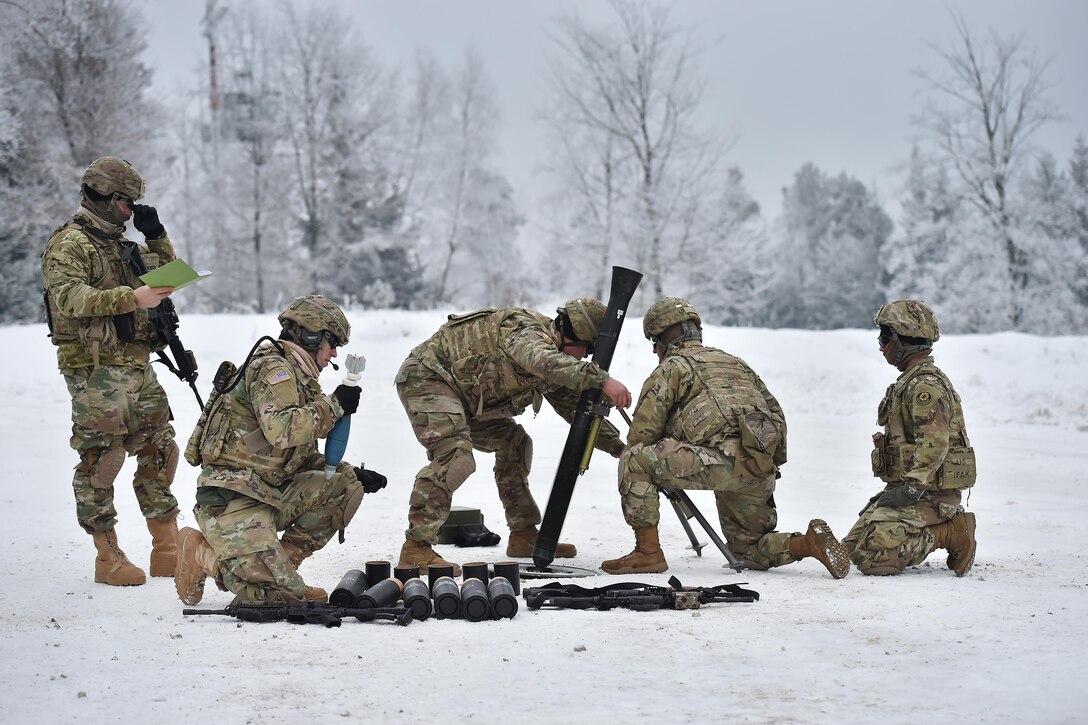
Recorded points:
(982, 112)
(631, 165)
(827, 260)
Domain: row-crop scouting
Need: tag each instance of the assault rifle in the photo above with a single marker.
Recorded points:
(164, 318)
(635, 596)
(307, 613)
(587, 420)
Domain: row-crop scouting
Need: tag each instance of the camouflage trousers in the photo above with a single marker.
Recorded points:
(252, 561)
(899, 537)
(119, 411)
(449, 434)
(746, 511)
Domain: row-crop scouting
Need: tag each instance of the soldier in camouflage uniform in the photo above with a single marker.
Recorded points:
(262, 472)
(923, 456)
(705, 421)
(97, 307)
(461, 390)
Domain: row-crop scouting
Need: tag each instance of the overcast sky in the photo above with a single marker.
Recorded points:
(793, 81)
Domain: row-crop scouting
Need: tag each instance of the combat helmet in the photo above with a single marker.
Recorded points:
(311, 317)
(111, 175)
(909, 318)
(669, 313)
(907, 327)
(580, 319)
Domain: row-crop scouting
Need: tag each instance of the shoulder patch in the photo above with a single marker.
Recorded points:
(278, 376)
(924, 396)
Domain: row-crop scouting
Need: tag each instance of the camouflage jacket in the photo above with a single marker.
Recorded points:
(696, 395)
(266, 429)
(502, 361)
(87, 284)
(924, 441)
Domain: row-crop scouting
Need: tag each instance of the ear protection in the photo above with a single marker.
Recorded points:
(309, 340)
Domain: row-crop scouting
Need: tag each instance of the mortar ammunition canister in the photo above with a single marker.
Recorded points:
(474, 604)
(417, 597)
(511, 570)
(474, 570)
(447, 598)
(383, 594)
(404, 573)
(350, 587)
(377, 571)
(504, 603)
(434, 573)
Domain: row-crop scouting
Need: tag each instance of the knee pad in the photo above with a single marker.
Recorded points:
(164, 459)
(460, 468)
(104, 469)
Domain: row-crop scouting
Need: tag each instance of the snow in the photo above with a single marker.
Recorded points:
(1004, 644)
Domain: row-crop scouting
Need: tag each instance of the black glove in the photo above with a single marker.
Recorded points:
(146, 220)
(348, 395)
(372, 480)
(870, 502)
(905, 494)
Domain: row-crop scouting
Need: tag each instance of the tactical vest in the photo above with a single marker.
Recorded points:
(894, 448)
(466, 351)
(720, 401)
(231, 437)
(100, 335)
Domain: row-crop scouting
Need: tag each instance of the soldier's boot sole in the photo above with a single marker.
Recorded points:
(189, 575)
(828, 550)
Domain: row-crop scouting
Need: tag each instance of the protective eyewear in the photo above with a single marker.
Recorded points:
(886, 335)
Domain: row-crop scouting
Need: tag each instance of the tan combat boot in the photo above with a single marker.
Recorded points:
(111, 566)
(196, 561)
(164, 544)
(819, 542)
(957, 535)
(522, 541)
(417, 553)
(297, 556)
(647, 558)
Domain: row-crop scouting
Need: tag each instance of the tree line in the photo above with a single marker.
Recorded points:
(298, 161)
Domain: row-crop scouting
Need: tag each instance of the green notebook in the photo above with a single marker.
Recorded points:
(176, 274)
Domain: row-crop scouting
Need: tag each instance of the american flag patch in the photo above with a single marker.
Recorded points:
(277, 377)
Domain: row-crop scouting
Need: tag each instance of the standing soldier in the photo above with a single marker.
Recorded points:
(461, 390)
(923, 456)
(705, 420)
(257, 442)
(97, 307)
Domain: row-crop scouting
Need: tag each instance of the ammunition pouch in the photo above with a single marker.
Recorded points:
(702, 419)
(891, 463)
(760, 439)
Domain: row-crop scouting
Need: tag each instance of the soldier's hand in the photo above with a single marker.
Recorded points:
(146, 220)
(904, 494)
(148, 297)
(618, 393)
(348, 395)
(372, 480)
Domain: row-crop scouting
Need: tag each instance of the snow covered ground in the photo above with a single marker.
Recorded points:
(1004, 644)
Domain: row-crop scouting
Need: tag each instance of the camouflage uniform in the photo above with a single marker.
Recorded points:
(685, 433)
(461, 390)
(263, 473)
(924, 443)
(118, 406)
